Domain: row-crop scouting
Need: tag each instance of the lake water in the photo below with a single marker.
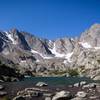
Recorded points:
(57, 80)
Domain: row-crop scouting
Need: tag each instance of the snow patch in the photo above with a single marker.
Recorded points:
(3, 39)
(27, 76)
(10, 37)
(23, 61)
(72, 39)
(47, 57)
(43, 56)
(85, 45)
(68, 56)
(50, 41)
(3, 45)
(65, 61)
(34, 51)
(55, 52)
(37, 60)
(88, 46)
(97, 48)
(5, 52)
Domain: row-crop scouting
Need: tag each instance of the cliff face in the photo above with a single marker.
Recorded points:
(42, 56)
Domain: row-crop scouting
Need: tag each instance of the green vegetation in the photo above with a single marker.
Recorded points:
(4, 98)
(9, 74)
(98, 61)
(7, 71)
(70, 72)
(57, 72)
(73, 72)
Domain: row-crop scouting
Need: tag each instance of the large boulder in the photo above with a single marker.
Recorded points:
(1, 87)
(96, 77)
(40, 84)
(83, 83)
(81, 94)
(77, 98)
(90, 85)
(62, 95)
(77, 84)
(18, 98)
(3, 93)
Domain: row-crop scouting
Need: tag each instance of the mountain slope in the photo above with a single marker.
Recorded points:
(42, 56)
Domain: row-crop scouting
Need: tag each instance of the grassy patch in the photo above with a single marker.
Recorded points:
(57, 72)
(70, 72)
(73, 72)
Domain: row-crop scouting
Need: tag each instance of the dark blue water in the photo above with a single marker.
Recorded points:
(57, 80)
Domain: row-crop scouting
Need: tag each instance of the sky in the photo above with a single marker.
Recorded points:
(49, 19)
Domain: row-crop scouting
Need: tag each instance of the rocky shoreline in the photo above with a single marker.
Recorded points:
(42, 91)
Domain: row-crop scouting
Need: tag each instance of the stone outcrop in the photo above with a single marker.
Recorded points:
(62, 95)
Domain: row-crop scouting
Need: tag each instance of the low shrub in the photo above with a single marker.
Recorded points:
(73, 72)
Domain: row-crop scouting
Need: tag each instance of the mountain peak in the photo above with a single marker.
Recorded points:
(96, 25)
(38, 55)
(14, 30)
(92, 35)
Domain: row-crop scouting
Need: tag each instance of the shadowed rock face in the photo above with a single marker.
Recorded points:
(1, 45)
(7, 73)
(36, 43)
(19, 39)
(42, 55)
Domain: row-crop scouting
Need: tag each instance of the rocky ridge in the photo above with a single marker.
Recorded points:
(45, 57)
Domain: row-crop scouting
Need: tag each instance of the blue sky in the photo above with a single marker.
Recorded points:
(49, 18)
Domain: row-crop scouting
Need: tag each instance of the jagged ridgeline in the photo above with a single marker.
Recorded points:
(42, 57)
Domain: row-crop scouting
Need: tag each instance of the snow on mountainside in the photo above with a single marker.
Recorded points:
(88, 46)
(40, 55)
(10, 37)
(85, 45)
(67, 56)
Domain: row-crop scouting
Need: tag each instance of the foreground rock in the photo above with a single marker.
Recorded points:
(30, 93)
(97, 77)
(78, 98)
(80, 84)
(62, 95)
(3, 93)
(18, 98)
(48, 96)
(52, 93)
(41, 84)
(83, 83)
(77, 84)
(81, 94)
(1, 87)
(90, 85)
